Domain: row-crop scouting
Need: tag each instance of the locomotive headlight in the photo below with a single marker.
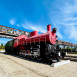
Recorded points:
(59, 53)
(66, 53)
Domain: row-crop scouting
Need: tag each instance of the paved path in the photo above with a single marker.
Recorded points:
(11, 66)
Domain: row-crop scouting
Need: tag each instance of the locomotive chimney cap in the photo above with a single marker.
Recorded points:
(48, 27)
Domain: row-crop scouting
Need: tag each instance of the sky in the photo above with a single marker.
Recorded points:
(30, 15)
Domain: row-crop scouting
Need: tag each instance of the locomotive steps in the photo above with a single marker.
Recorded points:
(62, 62)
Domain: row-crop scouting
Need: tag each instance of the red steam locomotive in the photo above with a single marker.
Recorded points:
(40, 46)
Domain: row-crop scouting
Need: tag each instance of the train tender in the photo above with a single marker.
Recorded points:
(39, 46)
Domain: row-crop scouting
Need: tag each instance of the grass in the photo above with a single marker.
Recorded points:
(2, 49)
(73, 52)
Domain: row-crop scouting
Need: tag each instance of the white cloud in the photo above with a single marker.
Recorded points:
(71, 19)
(58, 31)
(34, 27)
(70, 7)
(1, 41)
(59, 35)
(73, 33)
(12, 21)
(69, 24)
(39, 28)
(18, 25)
(4, 40)
(65, 17)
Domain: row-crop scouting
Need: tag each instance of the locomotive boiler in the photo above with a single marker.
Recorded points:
(39, 46)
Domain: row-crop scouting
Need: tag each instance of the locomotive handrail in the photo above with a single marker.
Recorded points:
(35, 40)
(39, 40)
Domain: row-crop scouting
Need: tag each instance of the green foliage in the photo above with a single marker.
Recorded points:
(73, 52)
(67, 48)
(2, 46)
(2, 49)
(70, 48)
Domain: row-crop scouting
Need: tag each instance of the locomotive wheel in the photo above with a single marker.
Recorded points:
(39, 58)
(51, 54)
(57, 58)
(6, 51)
(32, 57)
(48, 52)
(63, 54)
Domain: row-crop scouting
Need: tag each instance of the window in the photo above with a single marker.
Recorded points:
(15, 40)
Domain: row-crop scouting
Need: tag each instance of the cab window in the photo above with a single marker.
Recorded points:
(15, 40)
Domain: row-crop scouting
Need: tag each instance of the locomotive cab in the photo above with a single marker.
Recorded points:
(16, 42)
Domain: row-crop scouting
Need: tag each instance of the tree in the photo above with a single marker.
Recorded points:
(67, 48)
(1, 45)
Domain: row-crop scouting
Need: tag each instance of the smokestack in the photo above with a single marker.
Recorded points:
(54, 30)
(49, 27)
